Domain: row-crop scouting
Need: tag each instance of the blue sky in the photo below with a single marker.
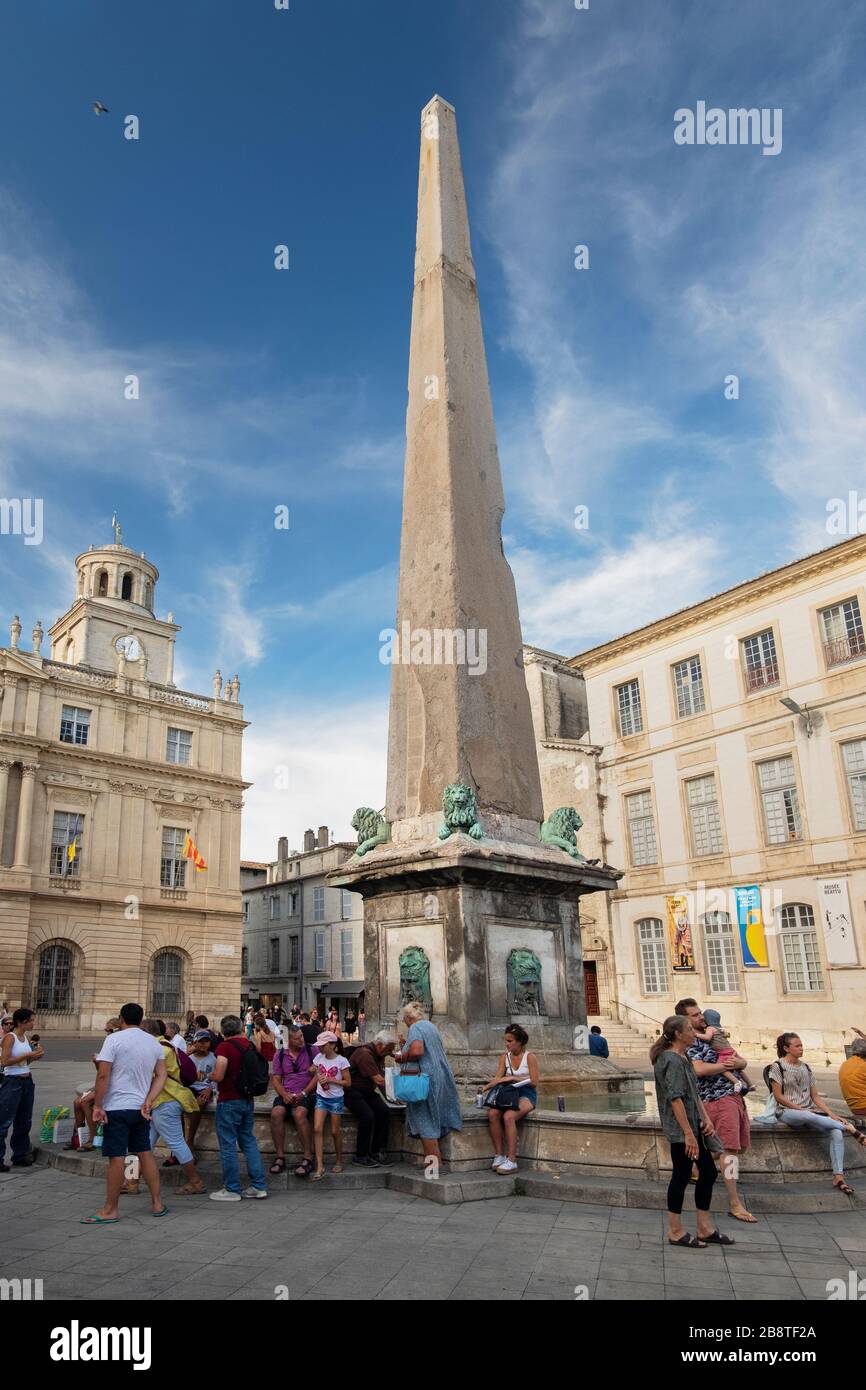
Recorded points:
(260, 387)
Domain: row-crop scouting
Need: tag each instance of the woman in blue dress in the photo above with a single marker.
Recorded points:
(431, 1119)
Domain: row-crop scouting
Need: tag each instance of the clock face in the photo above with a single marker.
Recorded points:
(130, 647)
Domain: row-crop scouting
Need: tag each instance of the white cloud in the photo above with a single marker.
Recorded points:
(311, 764)
(672, 563)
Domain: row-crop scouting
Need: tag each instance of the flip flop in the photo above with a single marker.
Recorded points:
(747, 1217)
(95, 1220)
(317, 1177)
(164, 1212)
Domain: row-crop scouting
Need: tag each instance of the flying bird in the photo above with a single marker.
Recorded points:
(99, 108)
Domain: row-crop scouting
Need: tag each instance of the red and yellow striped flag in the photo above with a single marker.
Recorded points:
(190, 852)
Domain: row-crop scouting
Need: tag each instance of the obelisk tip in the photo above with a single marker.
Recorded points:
(436, 100)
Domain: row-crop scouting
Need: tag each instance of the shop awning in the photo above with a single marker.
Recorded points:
(345, 988)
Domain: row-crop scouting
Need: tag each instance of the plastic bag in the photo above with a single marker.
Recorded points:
(49, 1116)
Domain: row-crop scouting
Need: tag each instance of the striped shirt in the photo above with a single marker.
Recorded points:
(796, 1081)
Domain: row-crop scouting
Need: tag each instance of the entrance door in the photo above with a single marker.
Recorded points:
(590, 985)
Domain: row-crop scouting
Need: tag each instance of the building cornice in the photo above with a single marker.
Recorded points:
(91, 761)
(761, 587)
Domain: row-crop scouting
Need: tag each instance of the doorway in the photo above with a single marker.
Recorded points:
(590, 985)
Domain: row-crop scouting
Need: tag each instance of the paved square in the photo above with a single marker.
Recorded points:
(381, 1244)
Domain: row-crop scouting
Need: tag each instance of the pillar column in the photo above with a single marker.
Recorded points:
(169, 674)
(25, 816)
(5, 764)
(7, 709)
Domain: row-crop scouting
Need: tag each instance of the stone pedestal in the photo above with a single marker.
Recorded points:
(467, 905)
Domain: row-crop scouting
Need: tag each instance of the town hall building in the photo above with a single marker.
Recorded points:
(107, 771)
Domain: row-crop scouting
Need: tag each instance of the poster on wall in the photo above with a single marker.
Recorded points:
(680, 933)
(750, 918)
(836, 918)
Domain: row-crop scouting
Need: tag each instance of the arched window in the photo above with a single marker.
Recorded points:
(719, 953)
(166, 995)
(102, 584)
(801, 961)
(54, 979)
(70, 652)
(652, 949)
(126, 586)
(148, 594)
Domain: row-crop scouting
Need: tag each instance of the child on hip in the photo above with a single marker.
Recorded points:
(720, 1042)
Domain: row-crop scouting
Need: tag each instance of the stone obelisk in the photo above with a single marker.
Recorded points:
(466, 907)
(453, 722)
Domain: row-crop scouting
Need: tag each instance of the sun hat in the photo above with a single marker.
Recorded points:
(326, 1037)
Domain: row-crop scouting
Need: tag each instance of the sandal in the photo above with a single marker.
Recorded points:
(689, 1242)
(317, 1177)
(716, 1238)
(337, 1168)
(278, 1165)
(190, 1189)
(841, 1186)
(304, 1169)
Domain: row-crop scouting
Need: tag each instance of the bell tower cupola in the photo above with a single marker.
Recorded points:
(112, 623)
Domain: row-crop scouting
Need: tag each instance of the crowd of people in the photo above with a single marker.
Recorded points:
(153, 1082)
(701, 1084)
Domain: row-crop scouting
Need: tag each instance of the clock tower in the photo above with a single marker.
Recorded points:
(111, 624)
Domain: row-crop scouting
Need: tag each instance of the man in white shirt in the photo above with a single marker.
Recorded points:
(130, 1074)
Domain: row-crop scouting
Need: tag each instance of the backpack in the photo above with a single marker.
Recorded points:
(254, 1074)
(187, 1067)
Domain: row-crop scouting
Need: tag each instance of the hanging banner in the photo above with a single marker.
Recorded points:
(836, 918)
(680, 933)
(750, 918)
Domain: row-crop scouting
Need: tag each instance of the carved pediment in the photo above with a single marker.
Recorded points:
(15, 663)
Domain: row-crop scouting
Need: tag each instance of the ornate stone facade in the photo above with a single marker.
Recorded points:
(104, 769)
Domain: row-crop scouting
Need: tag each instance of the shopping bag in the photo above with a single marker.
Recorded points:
(411, 1085)
(46, 1127)
(390, 1095)
(64, 1130)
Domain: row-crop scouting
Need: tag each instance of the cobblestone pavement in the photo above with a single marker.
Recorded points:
(381, 1244)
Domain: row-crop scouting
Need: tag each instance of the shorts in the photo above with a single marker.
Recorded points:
(127, 1132)
(730, 1121)
(333, 1107)
(528, 1093)
(309, 1104)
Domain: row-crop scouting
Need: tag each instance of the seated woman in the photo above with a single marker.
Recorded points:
(517, 1068)
(799, 1104)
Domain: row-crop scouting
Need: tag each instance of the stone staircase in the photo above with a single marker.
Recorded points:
(622, 1039)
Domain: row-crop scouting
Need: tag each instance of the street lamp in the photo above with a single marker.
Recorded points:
(802, 711)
